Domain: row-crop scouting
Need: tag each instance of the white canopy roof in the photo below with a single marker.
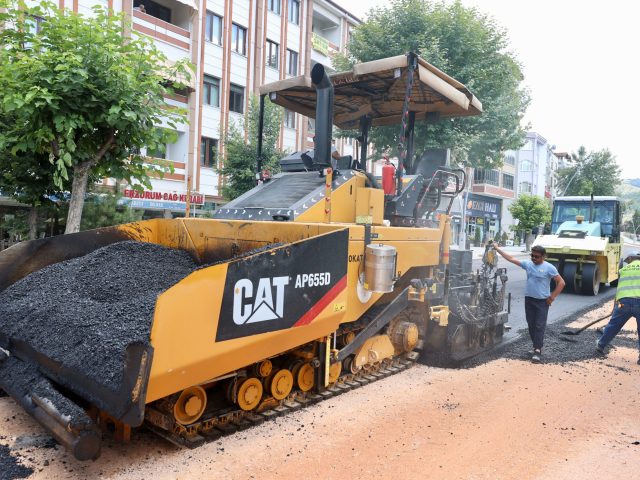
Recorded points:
(377, 88)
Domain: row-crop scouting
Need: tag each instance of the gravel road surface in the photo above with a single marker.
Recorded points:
(497, 417)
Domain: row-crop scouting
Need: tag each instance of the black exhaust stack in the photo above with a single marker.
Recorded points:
(324, 116)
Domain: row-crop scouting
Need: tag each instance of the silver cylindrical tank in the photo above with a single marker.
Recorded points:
(379, 268)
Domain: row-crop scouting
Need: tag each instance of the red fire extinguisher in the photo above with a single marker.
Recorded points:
(388, 178)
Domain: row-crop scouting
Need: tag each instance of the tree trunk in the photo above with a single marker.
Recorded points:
(529, 241)
(78, 191)
(33, 222)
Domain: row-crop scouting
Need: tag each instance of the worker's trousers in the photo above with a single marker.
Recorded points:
(536, 311)
(624, 309)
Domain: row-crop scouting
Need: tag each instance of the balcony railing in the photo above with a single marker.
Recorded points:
(165, 31)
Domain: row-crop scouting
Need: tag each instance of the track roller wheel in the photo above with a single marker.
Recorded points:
(281, 384)
(570, 275)
(590, 284)
(334, 372)
(249, 393)
(350, 366)
(190, 405)
(305, 377)
(347, 338)
(263, 368)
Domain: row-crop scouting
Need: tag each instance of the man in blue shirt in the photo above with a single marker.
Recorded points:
(538, 296)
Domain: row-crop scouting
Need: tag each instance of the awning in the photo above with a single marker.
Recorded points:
(377, 89)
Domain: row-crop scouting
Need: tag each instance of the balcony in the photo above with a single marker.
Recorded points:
(327, 32)
(492, 191)
(166, 20)
(487, 182)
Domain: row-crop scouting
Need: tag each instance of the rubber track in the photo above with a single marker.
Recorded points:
(212, 429)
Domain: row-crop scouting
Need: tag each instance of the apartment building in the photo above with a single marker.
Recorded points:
(490, 194)
(536, 164)
(235, 46)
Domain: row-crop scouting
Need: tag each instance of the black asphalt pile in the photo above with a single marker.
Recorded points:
(10, 468)
(84, 312)
(23, 378)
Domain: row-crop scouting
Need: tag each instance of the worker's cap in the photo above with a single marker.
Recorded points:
(632, 256)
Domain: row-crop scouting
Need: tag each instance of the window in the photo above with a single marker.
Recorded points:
(154, 9)
(159, 152)
(510, 159)
(239, 39)
(525, 187)
(211, 91)
(274, 6)
(528, 145)
(208, 152)
(236, 99)
(289, 119)
(294, 11)
(526, 166)
(34, 24)
(292, 62)
(490, 177)
(507, 181)
(273, 50)
(213, 29)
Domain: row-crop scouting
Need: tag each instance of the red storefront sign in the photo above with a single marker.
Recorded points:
(196, 198)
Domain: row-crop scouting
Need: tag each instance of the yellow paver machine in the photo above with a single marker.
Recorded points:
(312, 283)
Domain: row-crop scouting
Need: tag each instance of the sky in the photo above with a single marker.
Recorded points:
(577, 57)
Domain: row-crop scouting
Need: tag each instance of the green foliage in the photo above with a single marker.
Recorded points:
(239, 167)
(81, 96)
(632, 224)
(102, 210)
(27, 177)
(590, 172)
(504, 238)
(477, 237)
(467, 45)
(530, 211)
(16, 225)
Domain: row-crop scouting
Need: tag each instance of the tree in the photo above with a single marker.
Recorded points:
(239, 167)
(531, 211)
(29, 180)
(83, 96)
(103, 210)
(633, 224)
(590, 172)
(465, 44)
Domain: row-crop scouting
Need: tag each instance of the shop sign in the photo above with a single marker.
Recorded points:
(320, 44)
(160, 198)
(482, 208)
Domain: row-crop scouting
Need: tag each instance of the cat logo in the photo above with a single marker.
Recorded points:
(267, 303)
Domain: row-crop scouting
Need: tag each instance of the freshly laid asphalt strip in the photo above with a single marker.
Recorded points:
(84, 312)
(557, 349)
(10, 468)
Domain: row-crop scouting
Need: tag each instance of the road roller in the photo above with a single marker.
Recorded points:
(585, 244)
